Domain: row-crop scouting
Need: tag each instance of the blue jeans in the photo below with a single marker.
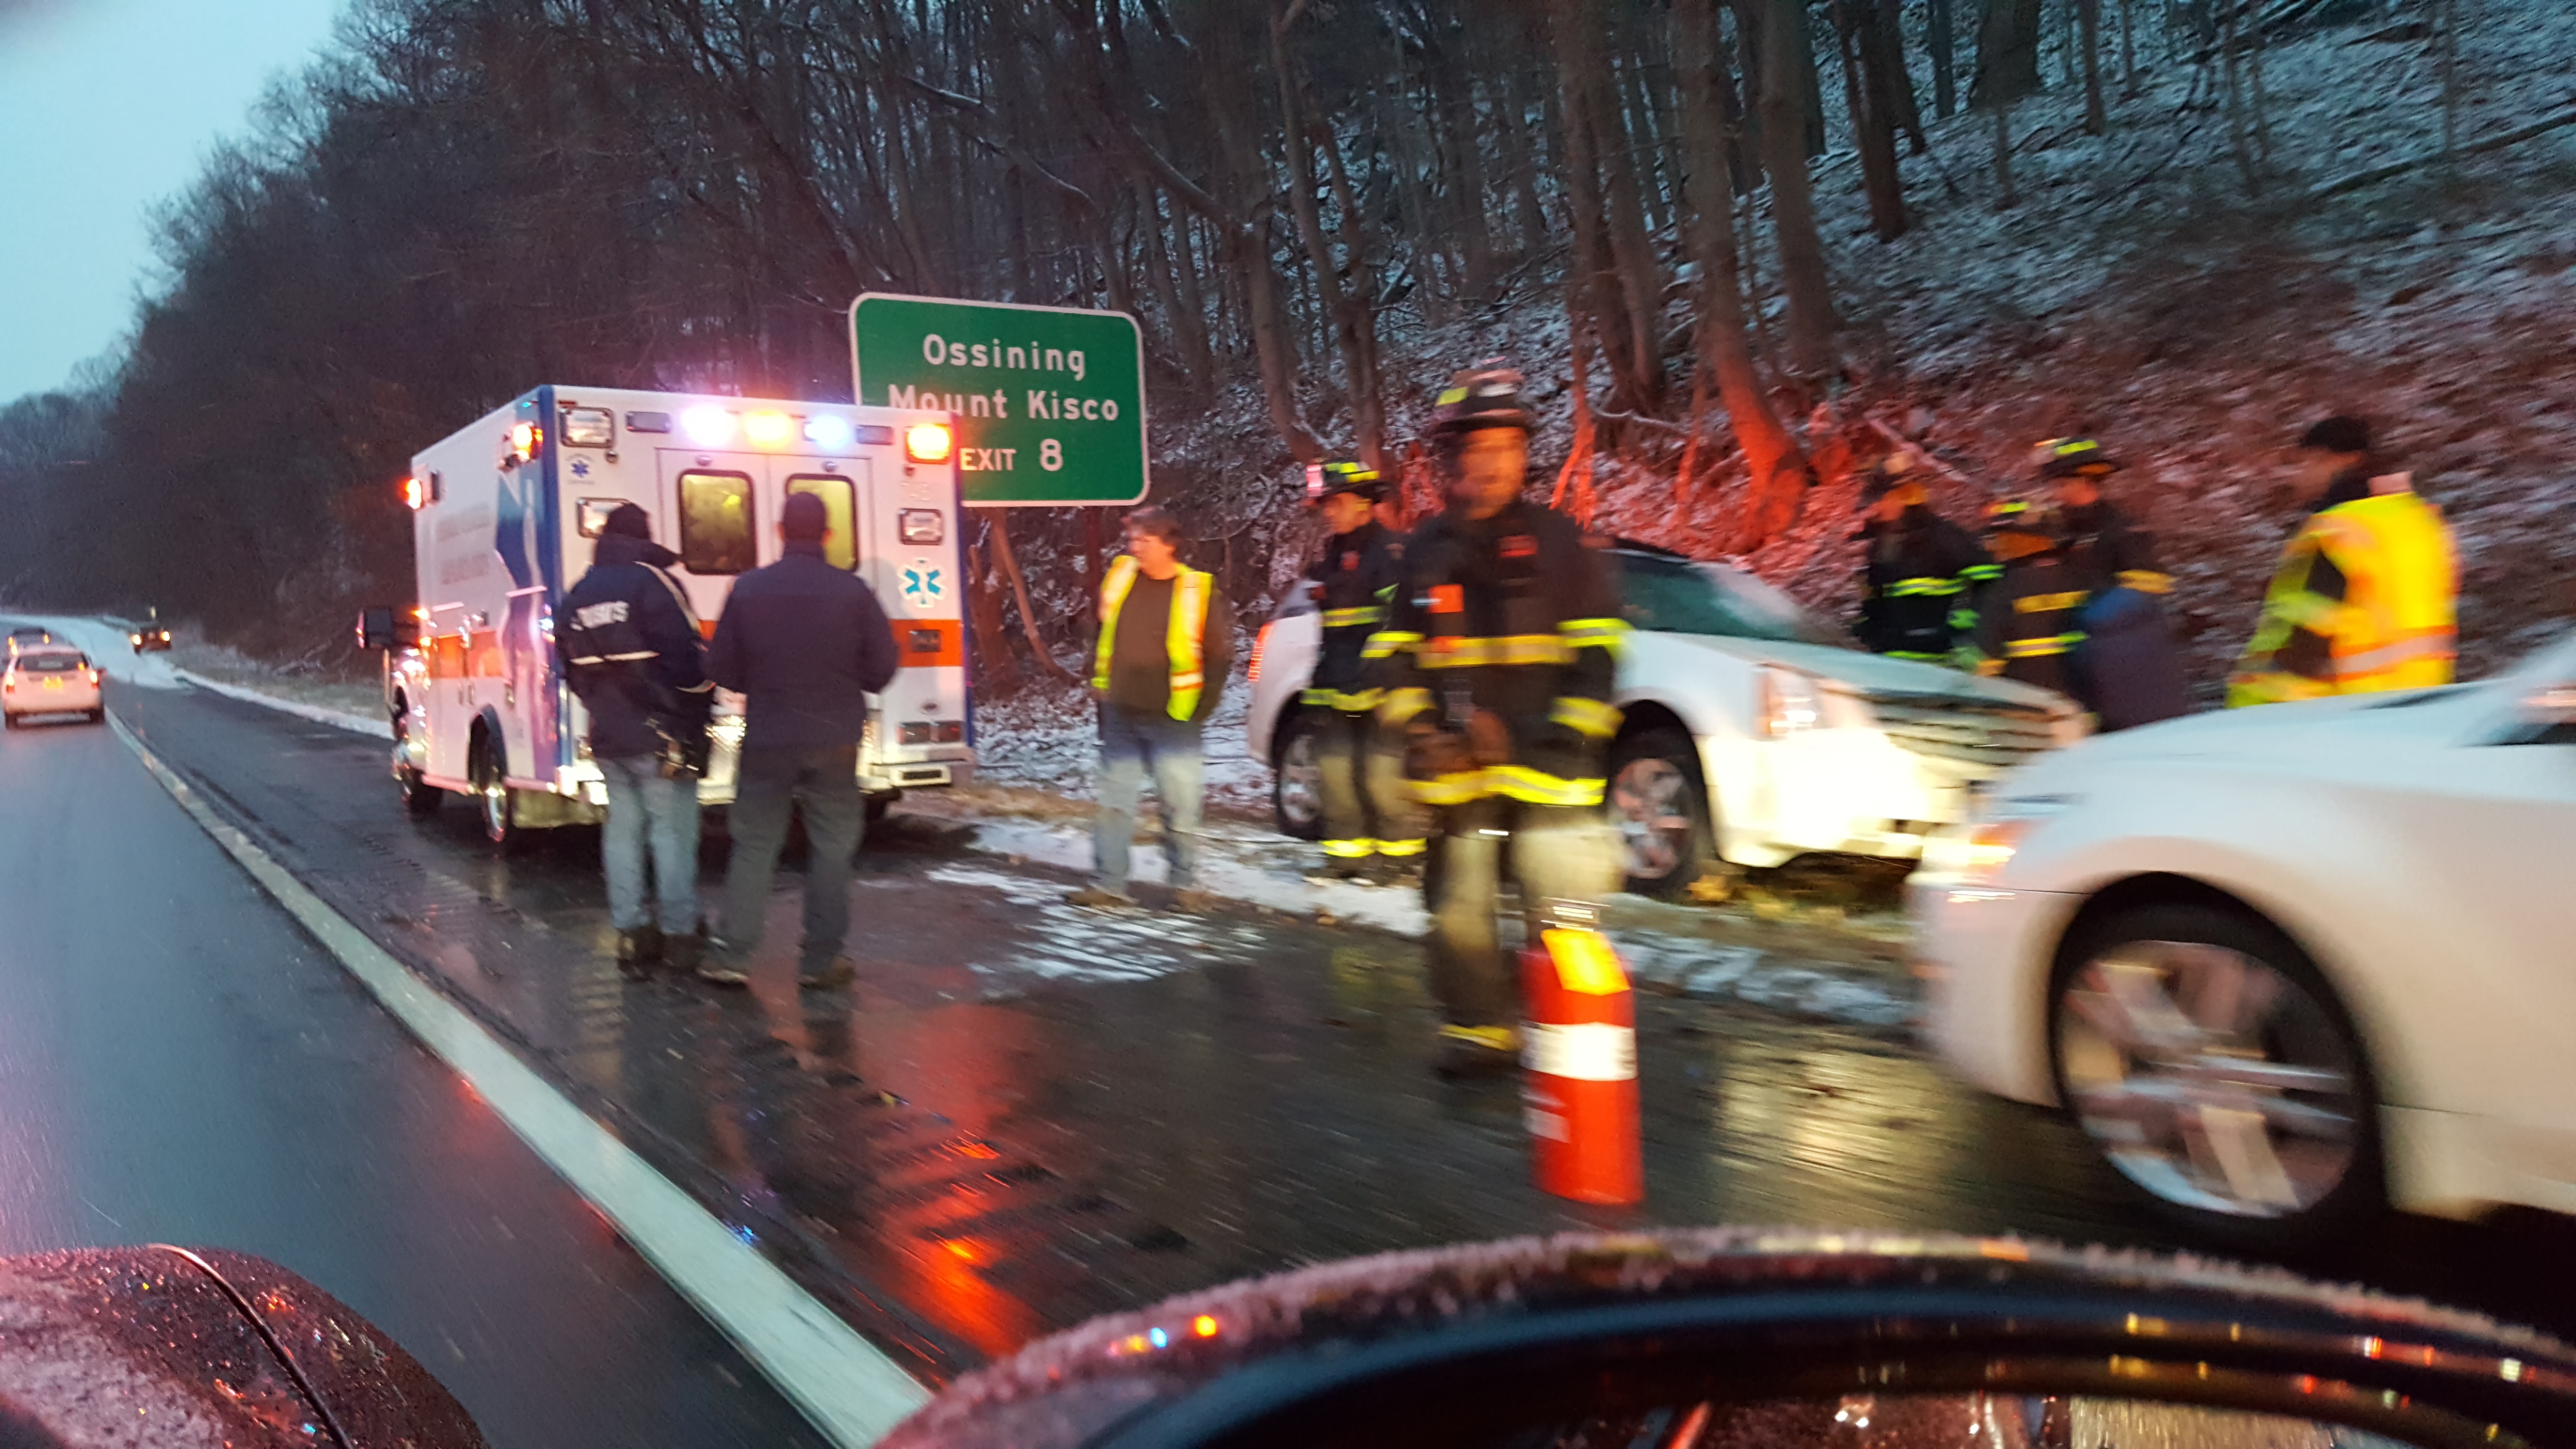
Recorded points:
(823, 781)
(645, 808)
(1132, 742)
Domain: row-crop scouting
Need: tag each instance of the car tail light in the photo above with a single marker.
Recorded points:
(1260, 641)
(952, 731)
(916, 732)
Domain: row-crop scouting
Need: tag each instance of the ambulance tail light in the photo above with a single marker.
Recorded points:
(415, 494)
(525, 440)
(768, 430)
(928, 442)
(952, 732)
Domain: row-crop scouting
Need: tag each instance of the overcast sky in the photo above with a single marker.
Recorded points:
(107, 106)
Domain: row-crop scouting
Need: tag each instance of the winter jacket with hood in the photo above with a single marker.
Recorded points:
(633, 651)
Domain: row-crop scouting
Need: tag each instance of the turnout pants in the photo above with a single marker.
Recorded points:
(1555, 852)
(1360, 775)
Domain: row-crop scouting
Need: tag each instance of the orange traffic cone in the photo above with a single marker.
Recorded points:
(1579, 1053)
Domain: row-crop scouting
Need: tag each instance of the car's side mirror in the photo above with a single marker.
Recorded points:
(380, 626)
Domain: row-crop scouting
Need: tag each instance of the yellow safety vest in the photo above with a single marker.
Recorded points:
(1185, 641)
(2396, 627)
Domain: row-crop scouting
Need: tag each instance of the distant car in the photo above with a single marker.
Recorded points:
(1753, 732)
(50, 680)
(28, 638)
(2279, 961)
(150, 635)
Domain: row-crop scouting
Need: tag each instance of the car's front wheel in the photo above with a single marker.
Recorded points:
(2210, 1064)
(1659, 805)
(1297, 780)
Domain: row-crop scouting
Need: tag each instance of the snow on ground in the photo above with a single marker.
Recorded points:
(1049, 739)
(1263, 870)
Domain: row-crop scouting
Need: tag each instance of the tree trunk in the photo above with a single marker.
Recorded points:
(995, 670)
(1872, 116)
(1624, 291)
(2128, 48)
(1884, 47)
(1577, 471)
(1938, 37)
(2007, 70)
(1793, 208)
(2005, 196)
(1002, 555)
(2088, 22)
(1770, 454)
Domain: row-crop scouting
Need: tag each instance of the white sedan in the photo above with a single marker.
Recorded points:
(2280, 962)
(1751, 732)
(49, 679)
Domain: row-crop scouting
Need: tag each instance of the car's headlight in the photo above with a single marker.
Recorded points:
(1794, 702)
(1974, 852)
(1979, 849)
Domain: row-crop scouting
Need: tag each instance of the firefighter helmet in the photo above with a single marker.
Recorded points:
(1487, 395)
(2074, 458)
(2020, 527)
(1323, 480)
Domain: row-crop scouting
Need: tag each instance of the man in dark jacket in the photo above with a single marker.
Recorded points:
(1921, 572)
(1160, 663)
(1370, 824)
(806, 644)
(1499, 658)
(631, 648)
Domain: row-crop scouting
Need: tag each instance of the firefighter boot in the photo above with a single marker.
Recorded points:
(1476, 1051)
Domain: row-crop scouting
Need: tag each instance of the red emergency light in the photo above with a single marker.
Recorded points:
(525, 439)
(415, 494)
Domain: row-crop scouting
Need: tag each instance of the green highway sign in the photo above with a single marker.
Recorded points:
(1050, 401)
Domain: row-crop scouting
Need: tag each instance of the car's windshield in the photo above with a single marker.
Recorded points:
(1678, 596)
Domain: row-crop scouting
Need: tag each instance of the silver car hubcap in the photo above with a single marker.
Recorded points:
(1300, 782)
(2209, 1078)
(1650, 803)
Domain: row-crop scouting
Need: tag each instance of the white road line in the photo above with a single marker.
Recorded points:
(851, 1391)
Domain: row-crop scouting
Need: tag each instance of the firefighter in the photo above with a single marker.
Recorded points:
(1372, 828)
(2367, 592)
(2030, 621)
(1498, 658)
(2101, 543)
(2128, 668)
(1921, 574)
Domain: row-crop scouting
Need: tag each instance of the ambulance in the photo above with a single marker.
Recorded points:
(504, 514)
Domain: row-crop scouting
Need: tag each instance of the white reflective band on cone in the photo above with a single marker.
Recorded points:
(1593, 1052)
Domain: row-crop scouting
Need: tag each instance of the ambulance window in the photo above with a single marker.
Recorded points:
(841, 547)
(594, 514)
(715, 523)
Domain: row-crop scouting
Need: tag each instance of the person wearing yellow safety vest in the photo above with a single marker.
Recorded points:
(1165, 646)
(1371, 824)
(1498, 658)
(2367, 592)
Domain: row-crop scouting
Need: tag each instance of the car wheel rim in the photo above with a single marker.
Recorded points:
(1650, 803)
(2209, 1078)
(1301, 800)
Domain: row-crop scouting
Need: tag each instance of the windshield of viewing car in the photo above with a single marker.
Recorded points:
(1678, 596)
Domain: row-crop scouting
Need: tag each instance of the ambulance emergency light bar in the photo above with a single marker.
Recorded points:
(710, 426)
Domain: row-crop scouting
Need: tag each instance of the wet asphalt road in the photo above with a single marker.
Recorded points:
(179, 1063)
(1021, 1115)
